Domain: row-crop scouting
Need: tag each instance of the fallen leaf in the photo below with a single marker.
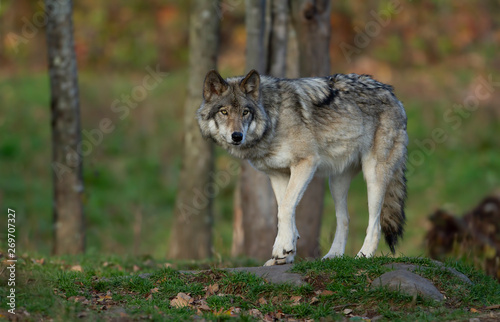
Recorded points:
(154, 290)
(492, 307)
(204, 306)
(313, 300)
(76, 268)
(181, 300)
(262, 301)
(236, 311)
(296, 300)
(326, 292)
(212, 289)
(347, 311)
(77, 298)
(255, 313)
(473, 310)
(104, 297)
(136, 268)
(222, 312)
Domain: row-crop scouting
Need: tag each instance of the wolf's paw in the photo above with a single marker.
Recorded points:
(332, 255)
(284, 249)
(280, 261)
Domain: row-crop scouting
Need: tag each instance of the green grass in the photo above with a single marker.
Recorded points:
(103, 287)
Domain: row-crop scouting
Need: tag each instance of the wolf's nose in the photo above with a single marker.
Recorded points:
(237, 136)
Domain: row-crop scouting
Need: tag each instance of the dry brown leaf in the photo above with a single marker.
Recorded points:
(181, 300)
(262, 301)
(473, 310)
(347, 311)
(296, 300)
(105, 297)
(77, 298)
(313, 300)
(326, 292)
(236, 311)
(76, 268)
(212, 289)
(136, 268)
(255, 313)
(154, 290)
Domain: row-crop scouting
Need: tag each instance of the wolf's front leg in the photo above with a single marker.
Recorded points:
(284, 248)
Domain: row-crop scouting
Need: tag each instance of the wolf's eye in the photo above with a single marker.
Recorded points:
(245, 112)
(224, 112)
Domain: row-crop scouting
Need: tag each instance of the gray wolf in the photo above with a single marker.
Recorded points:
(294, 129)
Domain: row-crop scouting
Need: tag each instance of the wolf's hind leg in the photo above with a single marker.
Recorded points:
(339, 187)
(376, 174)
(284, 248)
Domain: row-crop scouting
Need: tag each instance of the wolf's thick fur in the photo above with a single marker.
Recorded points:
(293, 129)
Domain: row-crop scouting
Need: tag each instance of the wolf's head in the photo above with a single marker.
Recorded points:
(232, 113)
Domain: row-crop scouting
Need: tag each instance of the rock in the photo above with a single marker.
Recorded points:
(413, 267)
(408, 283)
(275, 274)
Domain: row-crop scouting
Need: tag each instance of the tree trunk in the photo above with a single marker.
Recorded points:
(255, 221)
(311, 19)
(192, 230)
(254, 225)
(69, 221)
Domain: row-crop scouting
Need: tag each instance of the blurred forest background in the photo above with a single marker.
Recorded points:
(435, 53)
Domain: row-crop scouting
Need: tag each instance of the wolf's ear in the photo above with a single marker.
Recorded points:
(250, 85)
(214, 85)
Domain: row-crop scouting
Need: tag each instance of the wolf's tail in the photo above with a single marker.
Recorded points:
(392, 217)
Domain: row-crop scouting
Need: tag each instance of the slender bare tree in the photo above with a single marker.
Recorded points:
(69, 227)
(192, 230)
(311, 20)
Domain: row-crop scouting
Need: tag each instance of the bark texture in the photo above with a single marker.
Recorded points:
(191, 236)
(69, 222)
(311, 20)
(255, 207)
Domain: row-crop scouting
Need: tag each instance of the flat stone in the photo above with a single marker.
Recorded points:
(408, 283)
(413, 267)
(277, 274)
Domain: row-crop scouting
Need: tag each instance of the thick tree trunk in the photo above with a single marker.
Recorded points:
(255, 221)
(69, 226)
(192, 230)
(311, 19)
(254, 225)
